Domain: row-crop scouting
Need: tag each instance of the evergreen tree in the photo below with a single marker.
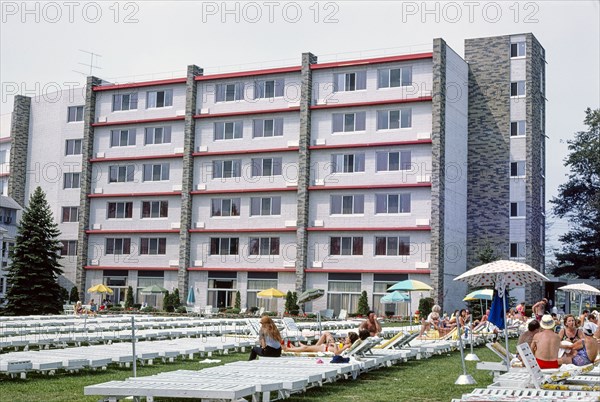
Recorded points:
(168, 302)
(74, 296)
(175, 299)
(129, 298)
(295, 307)
(578, 201)
(35, 268)
(289, 302)
(238, 300)
(363, 303)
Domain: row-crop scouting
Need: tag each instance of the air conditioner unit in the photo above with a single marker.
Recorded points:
(421, 265)
(320, 141)
(294, 104)
(178, 150)
(317, 264)
(95, 262)
(99, 154)
(321, 101)
(180, 113)
(198, 263)
(423, 136)
(98, 190)
(202, 148)
(173, 263)
(175, 225)
(319, 182)
(426, 178)
(289, 264)
(291, 183)
(101, 119)
(200, 186)
(205, 111)
(290, 224)
(199, 225)
(96, 226)
(422, 222)
(318, 224)
(293, 144)
(177, 187)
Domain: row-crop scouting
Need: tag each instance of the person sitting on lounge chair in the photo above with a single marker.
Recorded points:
(527, 337)
(327, 345)
(269, 338)
(587, 354)
(371, 324)
(432, 321)
(545, 344)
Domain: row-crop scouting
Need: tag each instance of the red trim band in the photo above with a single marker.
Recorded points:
(241, 191)
(242, 269)
(368, 271)
(5, 139)
(128, 268)
(136, 158)
(247, 113)
(373, 103)
(139, 121)
(153, 194)
(372, 229)
(257, 230)
(367, 187)
(115, 87)
(375, 60)
(266, 71)
(370, 144)
(130, 231)
(246, 151)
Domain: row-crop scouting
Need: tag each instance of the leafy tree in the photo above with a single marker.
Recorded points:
(578, 201)
(175, 298)
(74, 295)
(35, 268)
(363, 304)
(129, 298)
(238, 300)
(168, 302)
(425, 306)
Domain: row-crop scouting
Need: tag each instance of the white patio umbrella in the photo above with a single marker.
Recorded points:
(502, 274)
(581, 289)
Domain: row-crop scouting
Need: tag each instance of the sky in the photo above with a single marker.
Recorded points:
(41, 45)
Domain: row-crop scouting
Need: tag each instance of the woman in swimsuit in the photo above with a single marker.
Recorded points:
(588, 352)
(571, 333)
(329, 346)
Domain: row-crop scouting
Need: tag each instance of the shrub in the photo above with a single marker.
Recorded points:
(181, 310)
(137, 306)
(233, 311)
(175, 299)
(389, 313)
(238, 300)
(363, 304)
(149, 309)
(115, 308)
(425, 305)
(129, 298)
(253, 310)
(74, 295)
(168, 303)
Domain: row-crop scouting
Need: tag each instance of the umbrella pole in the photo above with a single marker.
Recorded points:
(506, 331)
(580, 302)
(464, 378)
(133, 345)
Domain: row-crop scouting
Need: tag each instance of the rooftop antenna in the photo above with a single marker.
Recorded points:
(91, 64)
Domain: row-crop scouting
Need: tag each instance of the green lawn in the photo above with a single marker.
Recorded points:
(423, 380)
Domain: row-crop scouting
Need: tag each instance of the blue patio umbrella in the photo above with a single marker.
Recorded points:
(497, 311)
(395, 297)
(191, 299)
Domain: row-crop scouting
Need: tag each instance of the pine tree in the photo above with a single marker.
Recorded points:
(34, 270)
(74, 295)
(129, 298)
(289, 302)
(238, 300)
(363, 304)
(175, 299)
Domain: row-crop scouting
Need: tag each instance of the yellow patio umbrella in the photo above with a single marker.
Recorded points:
(270, 293)
(101, 288)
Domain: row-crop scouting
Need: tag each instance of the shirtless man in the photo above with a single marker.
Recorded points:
(539, 308)
(371, 324)
(546, 343)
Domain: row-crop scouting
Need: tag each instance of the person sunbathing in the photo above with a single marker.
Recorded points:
(545, 344)
(587, 354)
(328, 345)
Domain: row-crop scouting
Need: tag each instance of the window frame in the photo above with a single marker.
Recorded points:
(148, 248)
(69, 248)
(162, 209)
(357, 200)
(401, 163)
(259, 127)
(354, 248)
(152, 99)
(236, 168)
(400, 202)
(77, 115)
(516, 47)
(517, 86)
(233, 202)
(149, 168)
(217, 246)
(274, 207)
(401, 76)
(261, 244)
(353, 81)
(68, 212)
(339, 121)
(401, 246)
(150, 133)
(71, 146)
(72, 176)
(113, 210)
(128, 175)
(130, 140)
(220, 132)
(132, 101)
(358, 163)
(388, 119)
(123, 249)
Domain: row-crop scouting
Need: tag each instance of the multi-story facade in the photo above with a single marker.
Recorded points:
(345, 176)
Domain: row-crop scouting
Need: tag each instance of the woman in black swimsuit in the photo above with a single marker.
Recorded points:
(571, 333)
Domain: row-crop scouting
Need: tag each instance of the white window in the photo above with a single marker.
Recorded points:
(348, 122)
(266, 167)
(517, 88)
(517, 49)
(392, 245)
(224, 246)
(517, 169)
(347, 163)
(157, 135)
(229, 92)
(3, 156)
(156, 172)
(263, 246)
(268, 89)
(225, 207)
(517, 209)
(72, 147)
(69, 248)
(350, 81)
(125, 102)
(71, 180)
(517, 250)
(153, 246)
(267, 127)
(392, 119)
(116, 245)
(393, 161)
(347, 204)
(227, 130)
(392, 203)
(155, 99)
(70, 214)
(74, 113)
(155, 209)
(122, 138)
(345, 245)
(394, 77)
(517, 128)
(223, 169)
(264, 206)
(119, 210)
(121, 174)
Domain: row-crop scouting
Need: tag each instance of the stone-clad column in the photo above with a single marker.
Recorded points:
(304, 170)
(86, 178)
(438, 157)
(19, 133)
(187, 181)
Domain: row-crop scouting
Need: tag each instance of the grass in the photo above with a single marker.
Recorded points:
(416, 380)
